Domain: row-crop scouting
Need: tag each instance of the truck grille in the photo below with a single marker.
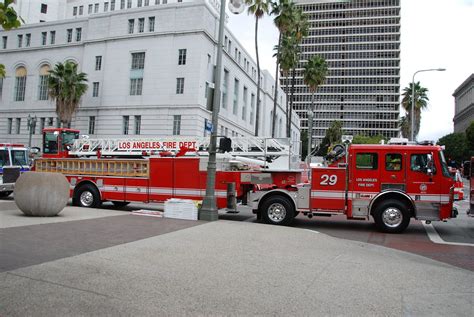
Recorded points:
(10, 174)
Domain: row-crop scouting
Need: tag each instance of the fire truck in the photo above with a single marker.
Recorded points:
(391, 183)
(13, 162)
(154, 170)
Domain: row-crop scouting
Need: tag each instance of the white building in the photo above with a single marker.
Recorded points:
(150, 70)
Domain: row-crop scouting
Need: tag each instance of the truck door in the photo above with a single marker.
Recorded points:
(392, 174)
(422, 185)
(328, 189)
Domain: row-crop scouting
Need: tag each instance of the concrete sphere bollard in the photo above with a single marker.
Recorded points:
(41, 194)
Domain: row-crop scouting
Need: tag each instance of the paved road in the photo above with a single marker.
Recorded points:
(89, 263)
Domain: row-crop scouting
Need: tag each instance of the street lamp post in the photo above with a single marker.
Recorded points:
(412, 128)
(208, 210)
(31, 127)
(310, 135)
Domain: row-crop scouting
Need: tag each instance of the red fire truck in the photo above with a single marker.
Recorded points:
(391, 183)
(154, 170)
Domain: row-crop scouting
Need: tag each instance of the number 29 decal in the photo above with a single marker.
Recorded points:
(330, 180)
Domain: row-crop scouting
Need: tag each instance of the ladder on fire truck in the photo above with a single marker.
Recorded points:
(266, 152)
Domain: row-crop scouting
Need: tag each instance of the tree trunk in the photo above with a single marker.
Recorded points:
(257, 116)
(293, 79)
(275, 100)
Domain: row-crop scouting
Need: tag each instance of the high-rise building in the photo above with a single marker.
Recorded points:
(464, 105)
(360, 40)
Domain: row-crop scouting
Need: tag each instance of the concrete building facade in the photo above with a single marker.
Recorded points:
(464, 105)
(360, 41)
(150, 72)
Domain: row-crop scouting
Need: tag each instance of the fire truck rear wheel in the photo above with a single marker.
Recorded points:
(277, 210)
(5, 194)
(391, 216)
(87, 196)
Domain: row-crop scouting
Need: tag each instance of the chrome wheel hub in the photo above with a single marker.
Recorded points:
(86, 199)
(276, 212)
(392, 217)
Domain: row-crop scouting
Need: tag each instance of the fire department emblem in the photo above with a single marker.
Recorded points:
(423, 187)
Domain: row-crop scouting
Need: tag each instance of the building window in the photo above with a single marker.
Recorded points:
(244, 106)
(147, 3)
(44, 38)
(177, 125)
(141, 25)
(131, 26)
(50, 121)
(20, 84)
(96, 8)
(43, 83)
(95, 89)
(20, 40)
(138, 124)
(122, 4)
(98, 62)
(224, 89)
(252, 107)
(69, 35)
(112, 5)
(151, 24)
(9, 125)
(1, 87)
(89, 10)
(42, 121)
(126, 120)
(92, 125)
(136, 73)
(52, 37)
(157, 1)
(81, 10)
(18, 126)
(182, 56)
(129, 4)
(236, 97)
(139, 3)
(74, 11)
(165, 1)
(106, 6)
(180, 85)
(44, 8)
(78, 34)
(4, 42)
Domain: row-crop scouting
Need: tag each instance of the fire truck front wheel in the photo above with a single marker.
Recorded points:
(87, 196)
(5, 194)
(391, 216)
(277, 210)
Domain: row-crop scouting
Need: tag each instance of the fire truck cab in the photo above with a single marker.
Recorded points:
(391, 183)
(13, 162)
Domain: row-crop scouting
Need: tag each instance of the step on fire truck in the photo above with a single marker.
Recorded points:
(154, 170)
(391, 183)
(13, 162)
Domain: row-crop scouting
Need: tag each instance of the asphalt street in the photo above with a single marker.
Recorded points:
(223, 268)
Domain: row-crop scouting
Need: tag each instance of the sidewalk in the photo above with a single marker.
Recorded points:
(223, 268)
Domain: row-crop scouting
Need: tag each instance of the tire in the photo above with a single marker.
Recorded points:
(391, 216)
(120, 204)
(87, 196)
(5, 194)
(277, 210)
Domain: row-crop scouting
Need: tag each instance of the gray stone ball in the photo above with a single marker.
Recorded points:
(41, 194)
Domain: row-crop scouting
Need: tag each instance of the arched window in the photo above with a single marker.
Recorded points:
(20, 83)
(43, 82)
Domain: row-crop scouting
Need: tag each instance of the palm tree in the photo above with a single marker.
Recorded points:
(404, 127)
(283, 10)
(257, 8)
(66, 86)
(288, 60)
(300, 29)
(421, 102)
(314, 75)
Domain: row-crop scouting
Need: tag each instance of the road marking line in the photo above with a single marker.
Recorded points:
(435, 237)
(313, 231)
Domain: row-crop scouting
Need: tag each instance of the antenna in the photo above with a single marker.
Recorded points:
(236, 6)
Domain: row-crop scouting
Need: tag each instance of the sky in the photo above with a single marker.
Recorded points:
(434, 34)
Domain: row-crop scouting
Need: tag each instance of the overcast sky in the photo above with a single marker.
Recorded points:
(434, 34)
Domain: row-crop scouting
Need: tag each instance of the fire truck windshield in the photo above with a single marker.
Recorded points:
(444, 165)
(4, 158)
(68, 138)
(19, 158)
